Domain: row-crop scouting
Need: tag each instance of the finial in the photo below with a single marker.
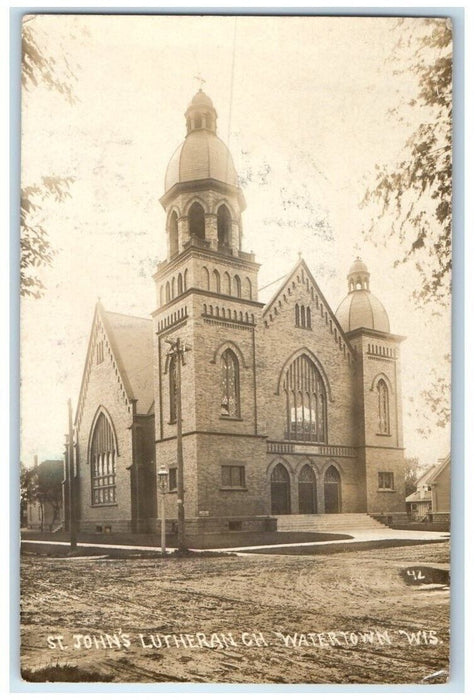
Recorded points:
(200, 80)
(300, 254)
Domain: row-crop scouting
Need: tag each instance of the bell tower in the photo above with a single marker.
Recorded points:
(206, 293)
(377, 391)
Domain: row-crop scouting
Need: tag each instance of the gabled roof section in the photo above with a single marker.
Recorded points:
(130, 339)
(430, 476)
(302, 270)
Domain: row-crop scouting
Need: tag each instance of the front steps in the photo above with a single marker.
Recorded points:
(328, 522)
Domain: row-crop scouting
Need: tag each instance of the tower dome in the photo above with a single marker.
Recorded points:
(360, 308)
(202, 155)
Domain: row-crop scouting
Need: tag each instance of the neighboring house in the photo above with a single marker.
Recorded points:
(433, 492)
(44, 510)
(288, 406)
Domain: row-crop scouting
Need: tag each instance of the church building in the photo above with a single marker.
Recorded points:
(288, 407)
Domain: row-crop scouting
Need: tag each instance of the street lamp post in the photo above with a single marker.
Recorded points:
(177, 353)
(163, 486)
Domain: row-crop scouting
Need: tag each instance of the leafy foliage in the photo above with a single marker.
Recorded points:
(416, 191)
(35, 248)
(38, 68)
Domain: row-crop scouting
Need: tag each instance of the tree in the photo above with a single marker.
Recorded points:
(35, 248)
(416, 191)
(413, 471)
(28, 490)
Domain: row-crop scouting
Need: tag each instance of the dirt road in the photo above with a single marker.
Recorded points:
(338, 618)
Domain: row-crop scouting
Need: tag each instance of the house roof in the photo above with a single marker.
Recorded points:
(433, 472)
(131, 338)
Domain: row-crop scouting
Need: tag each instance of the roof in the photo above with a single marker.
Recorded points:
(201, 156)
(431, 474)
(361, 309)
(131, 338)
(419, 497)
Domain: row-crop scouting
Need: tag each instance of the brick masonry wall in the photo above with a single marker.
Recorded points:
(103, 388)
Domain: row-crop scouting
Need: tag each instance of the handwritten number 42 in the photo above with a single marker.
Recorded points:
(416, 574)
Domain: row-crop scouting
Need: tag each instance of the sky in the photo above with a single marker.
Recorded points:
(306, 107)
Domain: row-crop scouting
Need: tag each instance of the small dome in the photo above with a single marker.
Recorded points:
(201, 156)
(361, 309)
(201, 99)
(357, 267)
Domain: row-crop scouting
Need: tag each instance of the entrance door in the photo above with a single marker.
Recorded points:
(280, 490)
(307, 491)
(332, 491)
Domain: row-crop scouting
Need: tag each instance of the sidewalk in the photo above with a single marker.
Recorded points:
(351, 540)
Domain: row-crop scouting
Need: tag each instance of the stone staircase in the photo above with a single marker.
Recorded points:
(328, 522)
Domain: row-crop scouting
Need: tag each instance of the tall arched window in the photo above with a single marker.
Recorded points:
(172, 389)
(227, 284)
(102, 460)
(180, 283)
(297, 315)
(197, 226)
(230, 390)
(249, 287)
(173, 234)
(168, 292)
(205, 278)
(217, 281)
(383, 407)
(237, 287)
(224, 226)
(308, 317)
(306, 404)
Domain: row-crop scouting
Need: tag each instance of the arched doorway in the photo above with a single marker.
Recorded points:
(307, 500)
(332, 491)
(280, 490)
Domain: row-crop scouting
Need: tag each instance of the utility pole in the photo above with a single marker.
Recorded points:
(176, 355)
(70, 463)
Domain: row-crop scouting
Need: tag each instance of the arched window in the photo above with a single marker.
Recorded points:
(297, 315)
(227, 284)
(173, 290)
(172, 389)
(173, 233)
(249, 288)
(308, 317)
(168, 292)
(205, 278)
(102, 459)
(230, 403)
(306, 404)
(197, 226)
(383, 407)
(237, 287)
(217, 281)
(224, 226)
(185, 280)
(180, 283)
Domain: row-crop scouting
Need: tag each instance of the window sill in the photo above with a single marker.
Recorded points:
(233, 488)
(386, 490)
(104, 505)
(304, 328)
(236, 418)
(384, 434)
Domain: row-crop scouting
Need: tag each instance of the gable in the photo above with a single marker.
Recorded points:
(300, 295)
(126, 342)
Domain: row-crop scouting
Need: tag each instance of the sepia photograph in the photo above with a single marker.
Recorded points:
(235, 349)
